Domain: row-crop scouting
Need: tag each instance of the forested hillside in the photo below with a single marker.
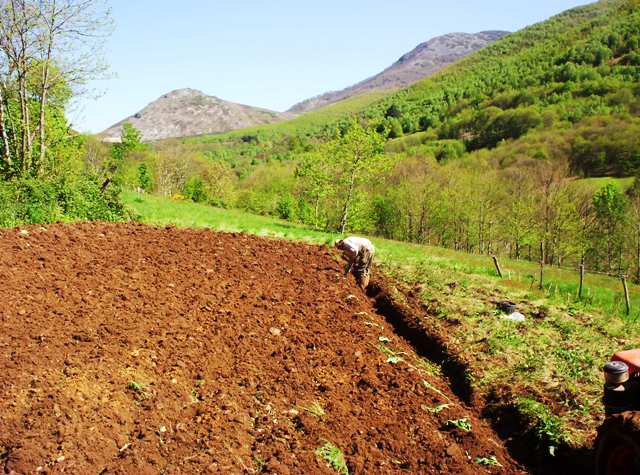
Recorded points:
(552, 76)
(487, 156)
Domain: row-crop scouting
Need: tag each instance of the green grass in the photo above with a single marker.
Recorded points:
(315, 409)
(334, 458)
(163, 211)
(596, 183)
(554, 357)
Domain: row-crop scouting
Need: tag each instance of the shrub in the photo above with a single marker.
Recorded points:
(395, 128)
(195, 190)
(286, 207)
(42, 201)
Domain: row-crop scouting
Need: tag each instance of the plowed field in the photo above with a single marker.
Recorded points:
(132, 349)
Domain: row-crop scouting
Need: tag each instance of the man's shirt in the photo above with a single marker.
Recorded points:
(353, 245)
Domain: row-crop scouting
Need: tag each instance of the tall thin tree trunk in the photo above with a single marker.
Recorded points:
(26, 132)
(347, 203)
(21, 65)
(316, 210)
(3, 130)
(45, 87)
(42, 120)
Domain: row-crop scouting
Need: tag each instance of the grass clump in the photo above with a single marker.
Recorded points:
(437, 409)
(491, 460)
(315, 409)
(546, 426)
(334, 458)
(462, 424)
(139, 389)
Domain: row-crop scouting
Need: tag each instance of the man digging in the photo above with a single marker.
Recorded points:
(359, 253)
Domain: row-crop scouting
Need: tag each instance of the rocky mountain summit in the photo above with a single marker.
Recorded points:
(187, 112)
(424, 60)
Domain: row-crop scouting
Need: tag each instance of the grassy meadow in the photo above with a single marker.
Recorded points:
(550, 363)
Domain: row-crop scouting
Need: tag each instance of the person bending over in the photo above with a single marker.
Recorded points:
(359, 253)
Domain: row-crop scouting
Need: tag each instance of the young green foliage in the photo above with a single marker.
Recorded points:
(334, 458)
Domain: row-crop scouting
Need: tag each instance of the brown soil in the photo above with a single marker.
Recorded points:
(131, 349)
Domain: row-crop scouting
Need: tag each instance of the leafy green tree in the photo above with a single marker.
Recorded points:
(395, 128)
(286, 207)
(634, 200)
(130, 141)
(610, 206)
(393, 111)
(314, 175)
(144, 179)
(46, 48)
(357, 157)
(194, 189)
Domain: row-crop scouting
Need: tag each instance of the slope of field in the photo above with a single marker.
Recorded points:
(126, 348)
(547, 369)
(604, 292)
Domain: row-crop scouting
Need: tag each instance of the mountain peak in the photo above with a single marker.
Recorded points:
(185, 112)
(424, 60)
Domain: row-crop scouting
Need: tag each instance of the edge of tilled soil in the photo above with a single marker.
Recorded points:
(413, 320)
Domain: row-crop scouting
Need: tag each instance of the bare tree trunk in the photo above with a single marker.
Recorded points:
(581, 279)
(10, 127)
(3, 130)
(44, 86)
(541, 283)
(26, 129)
(481, 232)
(22, 85)
(626, 294)
(347, 203)
(489, 239)
(43, 104)
(316, 210)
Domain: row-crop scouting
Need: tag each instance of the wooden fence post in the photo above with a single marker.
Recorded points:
(581, 281)
(497, 264)
(626, 293)
(541, 285)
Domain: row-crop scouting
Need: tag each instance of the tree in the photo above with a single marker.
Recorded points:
(356, 156)
(610, 207)
(144, 179)
(314, 176)
(634, 198)
(393, 111)
(129, 142)
(557, 217)
(44, 45)
(394, 127)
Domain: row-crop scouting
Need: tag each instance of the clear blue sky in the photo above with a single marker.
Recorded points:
(274, 53)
